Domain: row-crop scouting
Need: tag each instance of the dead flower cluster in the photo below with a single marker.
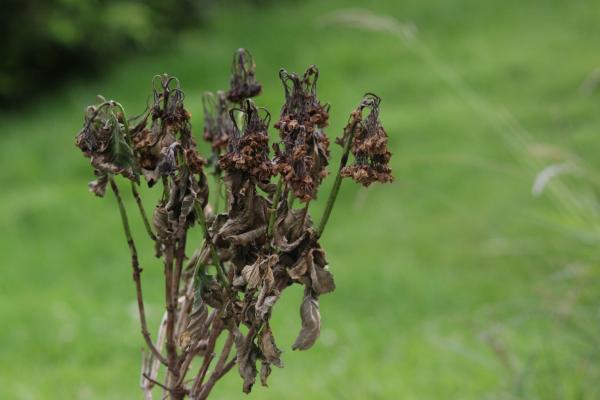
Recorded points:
(253, 248)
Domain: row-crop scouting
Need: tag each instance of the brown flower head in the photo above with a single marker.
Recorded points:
(169, 124)
(303, 160)
(105, 140)
(243, 82)
(369, 144)
(248, 150)
(217, 122)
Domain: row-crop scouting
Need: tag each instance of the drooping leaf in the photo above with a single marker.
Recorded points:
(311, 322)
(121, 153)
(270, 352)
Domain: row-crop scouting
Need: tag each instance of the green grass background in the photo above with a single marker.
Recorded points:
(454, 282)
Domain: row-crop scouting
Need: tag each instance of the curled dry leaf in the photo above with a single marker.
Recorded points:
(98, 187)
(311, 322)
(311, 270)
(265, 371)
(195, 330)
(247, 353)
(260, 272)
(271, 354)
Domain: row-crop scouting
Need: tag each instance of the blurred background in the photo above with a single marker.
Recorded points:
(473, 276)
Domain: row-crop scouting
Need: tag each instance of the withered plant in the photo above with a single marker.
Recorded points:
(220, 298)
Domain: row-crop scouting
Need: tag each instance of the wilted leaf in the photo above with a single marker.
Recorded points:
(122, 155)
(268, 347)
(311, 323)
(246, 359)
(265, 371)
(98, 187)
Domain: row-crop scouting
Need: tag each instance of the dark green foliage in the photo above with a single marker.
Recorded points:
(43, 41)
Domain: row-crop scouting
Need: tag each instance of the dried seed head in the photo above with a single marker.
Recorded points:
(248, 151)
(217, 122)
(243, 82)
(369, 144)
(303, 160)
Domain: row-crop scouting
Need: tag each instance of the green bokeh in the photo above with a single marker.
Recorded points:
(452, 283)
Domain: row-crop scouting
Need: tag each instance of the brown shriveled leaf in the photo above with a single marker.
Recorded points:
(246, 359)
(311, 322)
(196, 327)
(265, 371)
(270, 352)
(98, 187)
(291, 228)
(246, 238)
(264, 304)
(260, 272)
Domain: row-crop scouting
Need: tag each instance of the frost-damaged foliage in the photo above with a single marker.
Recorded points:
(256, 246)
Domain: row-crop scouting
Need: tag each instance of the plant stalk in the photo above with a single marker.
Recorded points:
(136, 273)
(337, 183)
(222, 276)
(274, 206)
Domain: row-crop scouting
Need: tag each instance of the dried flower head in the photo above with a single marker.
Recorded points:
(248, 149)
(169, 124)
(218, 124)
(369, 144)
(243, 83)
(303, 160)
(257, 247)
(104, 139)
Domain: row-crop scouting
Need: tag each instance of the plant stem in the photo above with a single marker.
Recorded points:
(215, 256)
(140, 205)
(337, 183)
(171, 309)
(136, 273)
(274, 206)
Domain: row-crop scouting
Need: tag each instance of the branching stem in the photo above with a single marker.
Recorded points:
(136, 273)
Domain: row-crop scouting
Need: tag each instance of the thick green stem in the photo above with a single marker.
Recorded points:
(336, 184)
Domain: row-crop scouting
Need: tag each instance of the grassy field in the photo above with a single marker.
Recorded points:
(452, 283)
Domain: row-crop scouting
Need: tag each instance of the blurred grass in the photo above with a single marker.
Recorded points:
(452, 283)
